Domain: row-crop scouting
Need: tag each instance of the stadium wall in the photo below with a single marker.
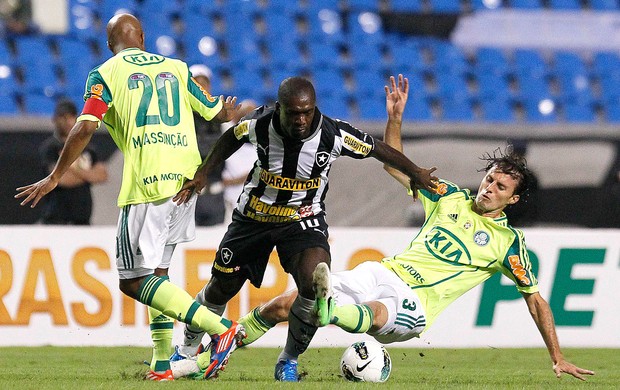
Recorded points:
(58, 286)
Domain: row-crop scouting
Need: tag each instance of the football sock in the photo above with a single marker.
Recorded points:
(161, 334)
(176, 303)
(301, 328)
(353, 318)
(255, 326)
(192, 336)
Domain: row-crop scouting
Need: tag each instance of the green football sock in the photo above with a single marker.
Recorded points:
(255, 326)
(353, 318)
(176, 303)
(161, 334)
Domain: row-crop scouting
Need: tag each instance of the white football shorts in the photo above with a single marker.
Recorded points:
(370, 281)
(147, 233)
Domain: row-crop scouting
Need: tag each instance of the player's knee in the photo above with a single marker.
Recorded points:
(129, 287)
(219, 292)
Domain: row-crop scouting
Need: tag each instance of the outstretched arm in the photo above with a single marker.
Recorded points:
(78, 138)
(225, 146)
(390, 151)
(543, 317)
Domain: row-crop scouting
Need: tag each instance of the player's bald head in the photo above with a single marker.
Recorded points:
(295, 87)
(124, 31)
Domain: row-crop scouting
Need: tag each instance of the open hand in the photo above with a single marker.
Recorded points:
(569, 368)
(230, 108)
(34, 192)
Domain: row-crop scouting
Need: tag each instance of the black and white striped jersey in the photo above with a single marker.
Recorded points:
(289, 179)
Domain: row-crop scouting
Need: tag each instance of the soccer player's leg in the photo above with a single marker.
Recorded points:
(262, 318)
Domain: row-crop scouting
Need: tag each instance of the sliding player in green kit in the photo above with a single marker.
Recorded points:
(146, 101)
(463, 242)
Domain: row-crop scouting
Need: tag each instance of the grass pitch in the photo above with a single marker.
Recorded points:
(252, 368)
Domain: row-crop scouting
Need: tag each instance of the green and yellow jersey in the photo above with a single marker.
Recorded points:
(148, 107)
(458, 249)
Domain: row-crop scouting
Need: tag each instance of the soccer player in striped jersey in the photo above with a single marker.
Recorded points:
(282, 204)
(146, 101)
(463, 242)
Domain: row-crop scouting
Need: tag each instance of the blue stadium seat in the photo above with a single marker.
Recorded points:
(327, 81)
(565, 4)
(575, 86)
(109, 8)
(530, 62)
(83, 19)
(283, 53)
(406, 5)
(568, 62)
(448, 57)
(325, 55)
(604, 5)
(38, 104)
(33, 50)
(371, 107)
(533, 87)
(480, 5)
(365, 27)
(492, 85)
(325, 25)
(610, 88)
(525, 4)
(8, 83)
(367, 56)
(451, 86)
(8, 106)
(363, 5)
(534, 114)
(418, 109)
(334, 106)
(457, 110)
(41, 79)
(605, 64)
(369, 82)
(497, 110)
(445, 6)
(574, 112)
(612, 110)
(407, 58)
(167, 8)
(491, 59)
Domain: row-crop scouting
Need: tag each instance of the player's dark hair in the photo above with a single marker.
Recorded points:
(295, 86)
(64, 107)
(511, 163)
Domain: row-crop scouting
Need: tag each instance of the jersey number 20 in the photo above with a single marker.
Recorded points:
(142, 118)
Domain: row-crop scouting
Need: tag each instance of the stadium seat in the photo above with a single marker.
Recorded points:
(447, 57)
(451, 86)
(526, 61)
(540, 110)
(327, 81)
(110, 8)
(575, 86)
(406, 5)
(525, 4)
(575, 112)
(325, 55)
(407, 58)
(418, 109)
(334, 106)
(604, 5)
(568, 62)
(497, 110)
(33, 50)
(367, 56)
(365, 27)
(533, 87)
(491, 59)
(371, 107)
(8, 105)
(605, 64)
(362, 5)
(325, 25)
(38, 104)
(565, 4)
(166, 8)
(445, 6)
(491, 85)
(369, 82)
(457, 110)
